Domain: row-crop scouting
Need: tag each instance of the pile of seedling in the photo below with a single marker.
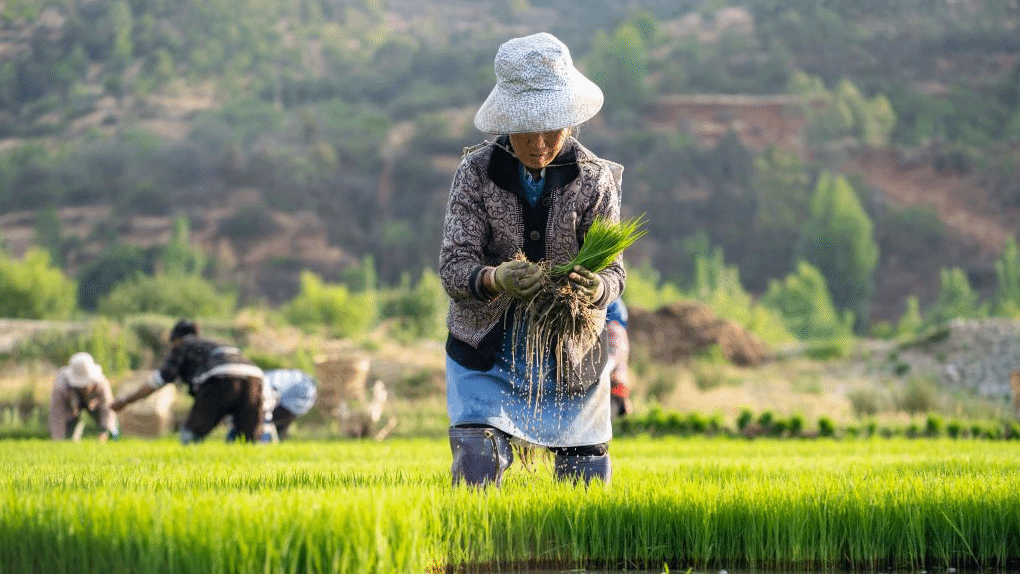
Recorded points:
(558, 321)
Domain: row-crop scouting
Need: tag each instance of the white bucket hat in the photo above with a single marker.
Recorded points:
(537, 89)
(83, 370)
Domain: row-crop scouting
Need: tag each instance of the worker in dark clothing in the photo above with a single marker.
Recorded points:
(286, 395)
(222, 381)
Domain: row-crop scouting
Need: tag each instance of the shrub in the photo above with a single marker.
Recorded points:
(249, 222)
(150, 331)
(913, 430)
(871, 429)
(779, 427)
(796, 425)
(33, 288)
(165, 294)
(697, 423)
(267, 361)
(803, 300)
(918, 396)
(676, 424)
(864, 402)
(954, 429)
(112, 346)
(826, 427)
(419, 308)
(333, 307)
(1013, 430)
(957, 298)
(976, 431)
(744, 419)
(117, 264)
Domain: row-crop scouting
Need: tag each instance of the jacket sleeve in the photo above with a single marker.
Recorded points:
(461, 257)
(606, 205)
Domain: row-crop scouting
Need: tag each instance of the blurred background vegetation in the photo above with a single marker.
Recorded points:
(287, 162)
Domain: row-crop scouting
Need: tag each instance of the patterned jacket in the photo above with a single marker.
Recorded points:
(194, 360)
(488, 220)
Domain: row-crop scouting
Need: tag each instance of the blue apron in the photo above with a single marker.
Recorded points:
(504, 397)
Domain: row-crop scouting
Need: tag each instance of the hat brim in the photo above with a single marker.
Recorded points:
(536, 111)
(94, 375)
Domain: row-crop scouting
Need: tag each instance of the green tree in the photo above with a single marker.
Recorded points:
(619, 65)
(803, 301)
(957, 299)
(911, 321)
(117, 264)
(174, 295)
(845, 112)
(783, 186)
(879, 121)
(647, 290)
(783, 183)
(47, 233)
(123, 45)
(33, 288)
(333, 307)
(718, 285)
(1007, 270)
(838, 239)
(419, 309)
(178, 257)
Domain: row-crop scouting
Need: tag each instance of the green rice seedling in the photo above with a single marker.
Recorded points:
(603, 243)
(157, 507)
(558, 321)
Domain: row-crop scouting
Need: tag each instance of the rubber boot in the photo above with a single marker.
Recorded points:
(583, 467)
(480, 455)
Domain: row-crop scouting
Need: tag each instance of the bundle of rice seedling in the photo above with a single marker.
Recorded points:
(558, 320)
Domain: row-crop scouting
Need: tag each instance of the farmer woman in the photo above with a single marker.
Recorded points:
(80, 386)
(533, 190)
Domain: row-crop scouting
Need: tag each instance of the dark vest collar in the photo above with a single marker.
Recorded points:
(503, 168)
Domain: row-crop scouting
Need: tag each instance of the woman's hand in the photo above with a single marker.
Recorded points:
(521, 279)
(586, 282)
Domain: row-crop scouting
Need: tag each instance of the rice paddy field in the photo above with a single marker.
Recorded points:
(707, 504)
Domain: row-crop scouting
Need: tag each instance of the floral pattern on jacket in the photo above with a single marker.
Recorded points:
(485, 226)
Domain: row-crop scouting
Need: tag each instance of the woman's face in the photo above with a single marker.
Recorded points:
(536, 150)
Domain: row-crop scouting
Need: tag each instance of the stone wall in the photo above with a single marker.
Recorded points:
(978, 355)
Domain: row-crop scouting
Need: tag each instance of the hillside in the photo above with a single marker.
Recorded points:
(312, 135)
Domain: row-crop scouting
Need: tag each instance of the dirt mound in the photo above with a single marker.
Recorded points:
(676, 332)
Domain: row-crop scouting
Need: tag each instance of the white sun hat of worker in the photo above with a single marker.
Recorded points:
(83, 370)
(538, 89)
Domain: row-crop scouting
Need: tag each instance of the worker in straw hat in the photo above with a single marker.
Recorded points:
(81, 385)
(532, 190)
(222, 381)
